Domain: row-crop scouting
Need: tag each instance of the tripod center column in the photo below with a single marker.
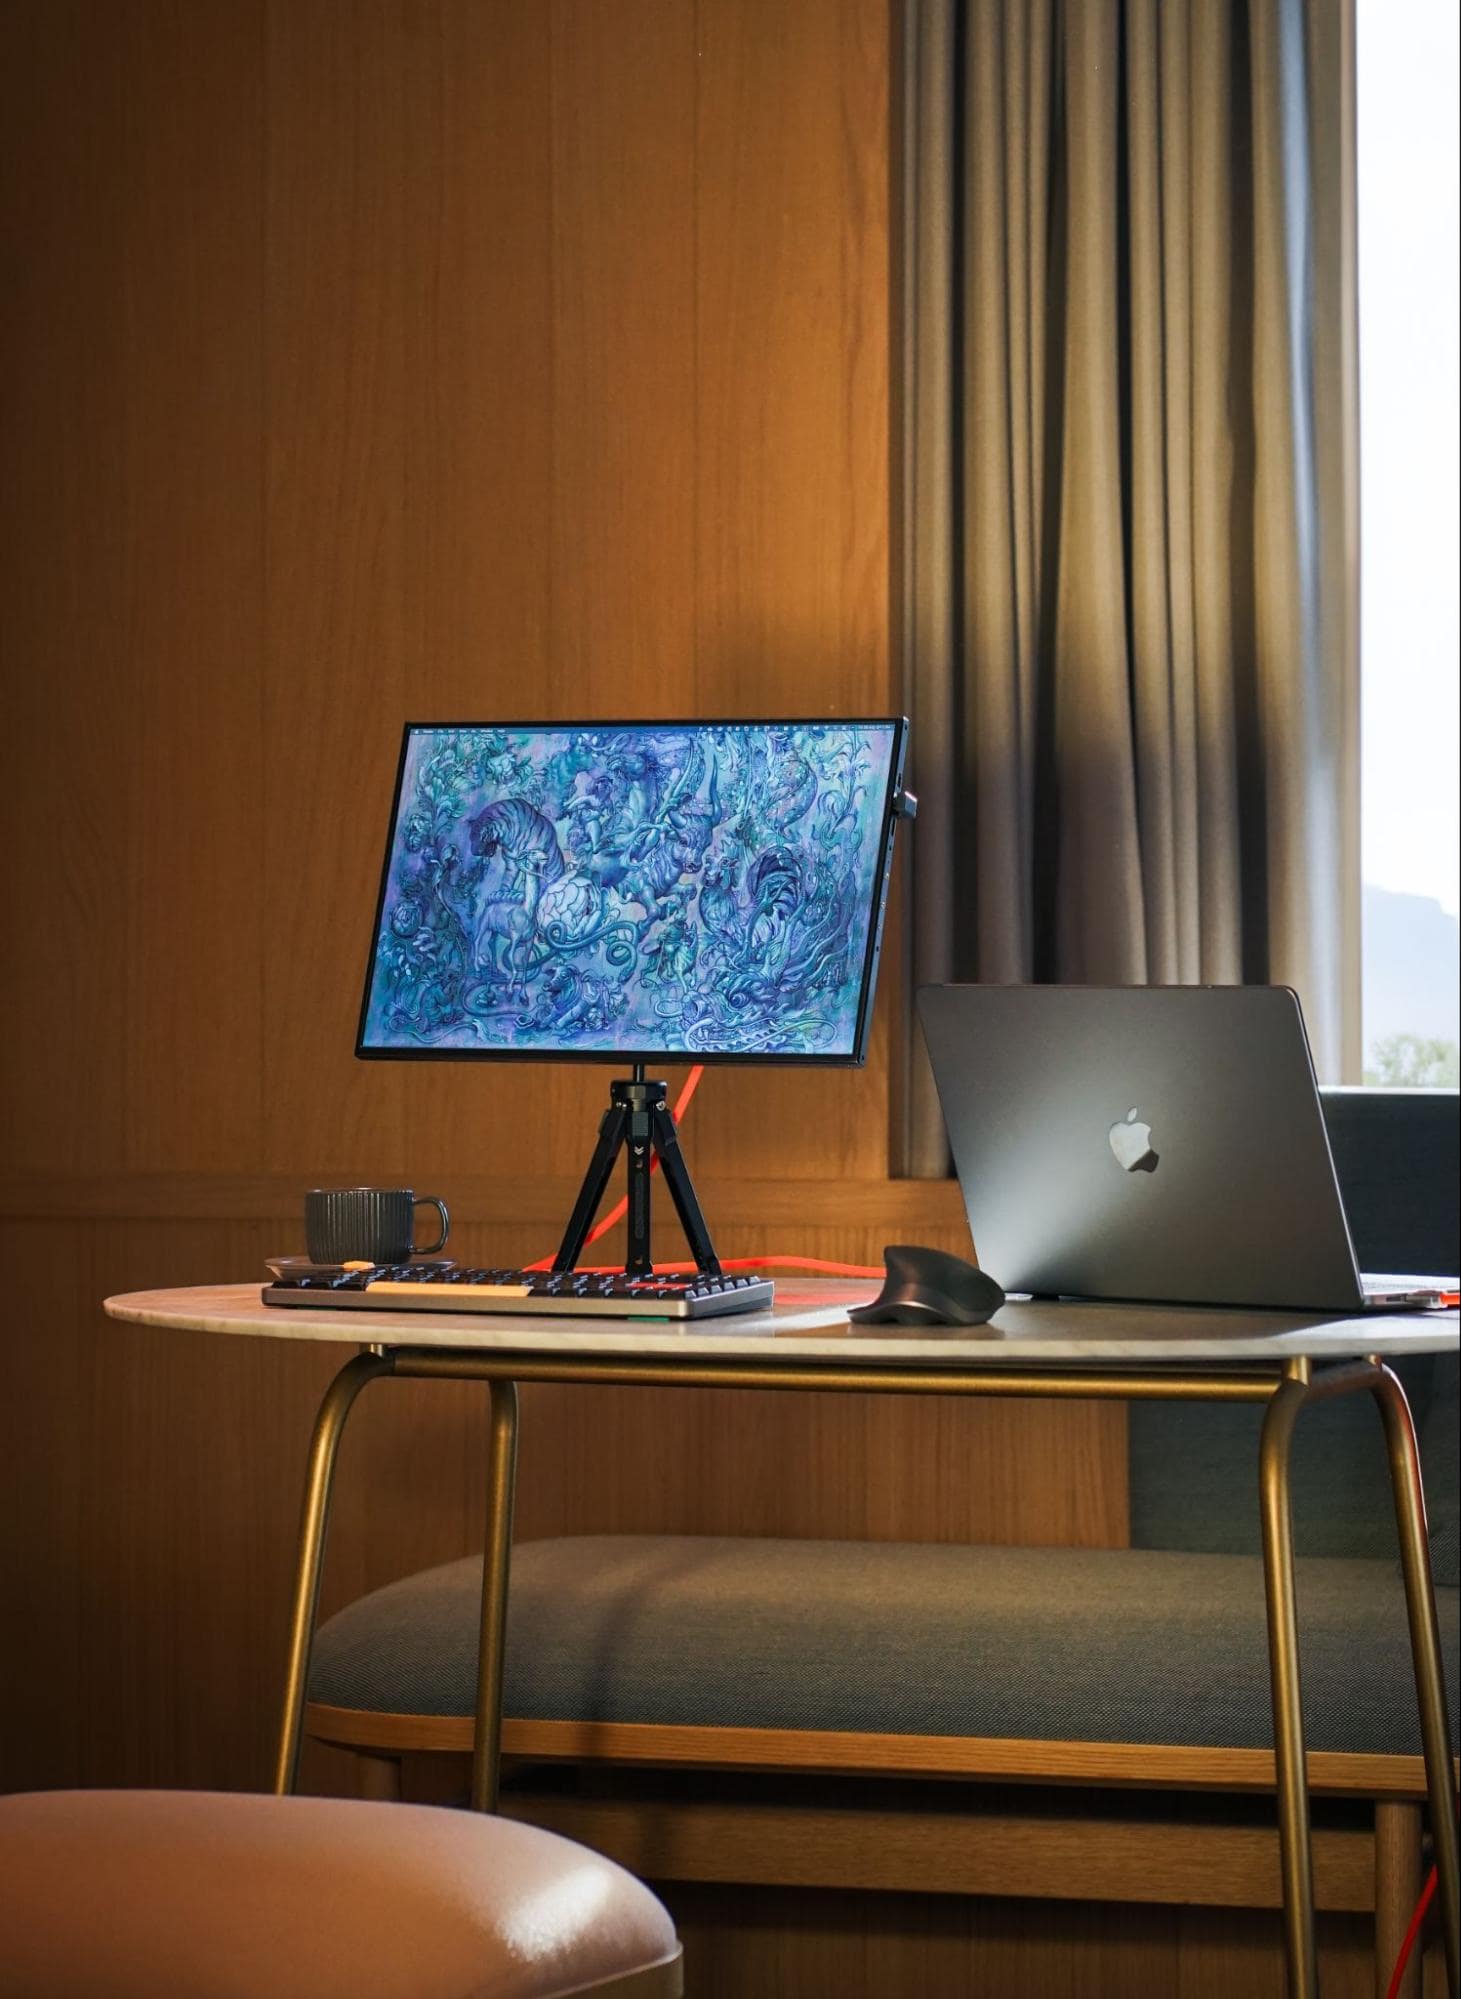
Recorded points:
(640, 1099)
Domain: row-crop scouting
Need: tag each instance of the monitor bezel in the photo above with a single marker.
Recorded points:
(662, 1057)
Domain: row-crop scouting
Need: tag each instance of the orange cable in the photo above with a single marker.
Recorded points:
(785, 1263)
(736, 1263)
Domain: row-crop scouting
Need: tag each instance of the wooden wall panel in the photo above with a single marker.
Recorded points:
(156, 1480)
(477, 465)
(339, 184)
(793, 306)
(433, 360)
(789, 1944)
(191, 751)
(624, 360)
(477, 468)
(622, 456)
(63, 417)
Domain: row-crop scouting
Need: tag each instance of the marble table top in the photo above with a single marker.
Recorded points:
(809, 1323)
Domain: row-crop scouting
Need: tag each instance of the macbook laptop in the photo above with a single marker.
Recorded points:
(1155, 1142)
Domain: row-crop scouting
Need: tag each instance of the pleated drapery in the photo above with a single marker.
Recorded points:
(1128, 501)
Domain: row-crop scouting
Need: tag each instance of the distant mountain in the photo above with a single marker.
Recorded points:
(1412, 951)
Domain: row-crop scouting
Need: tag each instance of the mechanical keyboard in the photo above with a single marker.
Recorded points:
(450, 1287)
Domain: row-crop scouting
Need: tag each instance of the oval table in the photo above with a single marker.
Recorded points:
(1066, 1348)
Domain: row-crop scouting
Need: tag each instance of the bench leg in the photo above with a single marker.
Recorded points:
(378, 1778)
(1397, 1890)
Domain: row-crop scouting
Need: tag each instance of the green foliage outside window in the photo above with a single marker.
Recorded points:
(1414, 1062)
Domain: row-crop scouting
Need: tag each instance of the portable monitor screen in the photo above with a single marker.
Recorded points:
(634, 890)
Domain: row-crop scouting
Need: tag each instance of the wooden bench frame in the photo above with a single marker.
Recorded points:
(988, 1759)
(1052, 1820)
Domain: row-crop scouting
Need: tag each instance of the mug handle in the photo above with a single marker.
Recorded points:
(430, 1248)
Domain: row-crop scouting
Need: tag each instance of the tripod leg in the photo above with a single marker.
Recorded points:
(682, 1192)
(595, 1180)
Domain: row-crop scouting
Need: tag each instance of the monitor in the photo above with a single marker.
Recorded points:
(634, 891)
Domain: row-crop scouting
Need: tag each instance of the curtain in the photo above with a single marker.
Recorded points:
(1128, 552)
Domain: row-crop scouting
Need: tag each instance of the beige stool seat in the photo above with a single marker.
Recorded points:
(146, 1894)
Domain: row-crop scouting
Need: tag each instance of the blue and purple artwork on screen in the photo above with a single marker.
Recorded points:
(705, 889)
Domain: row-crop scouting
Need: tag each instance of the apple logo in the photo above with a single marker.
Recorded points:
(1131, 1141)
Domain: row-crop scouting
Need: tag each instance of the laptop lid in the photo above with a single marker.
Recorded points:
(1154, 1142)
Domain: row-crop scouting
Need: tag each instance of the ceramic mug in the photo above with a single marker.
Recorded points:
(368, 1224)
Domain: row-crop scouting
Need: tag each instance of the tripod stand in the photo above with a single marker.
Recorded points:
(639, 1118)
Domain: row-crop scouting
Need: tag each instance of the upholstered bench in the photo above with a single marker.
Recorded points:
(658, 1632)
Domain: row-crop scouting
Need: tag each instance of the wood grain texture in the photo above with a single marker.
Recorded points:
(155, 1494)
(1397, 1889)
(1093, 1857)
(65, 801)
(1124, 1947)
(192, 753)
(159, 1477)
(465, 358)
(792, 415)
(1222, 1955)
(476, 475)
(535, 1204)
(340, 185)
(790, 1943)
(992, 1759)
(624, 361)
(1194, 1952)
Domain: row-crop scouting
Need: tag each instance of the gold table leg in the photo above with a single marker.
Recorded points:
(496, 1559)
(1295, 1849)
(1425, 1651)
(324, 1446)
(1292, 1395)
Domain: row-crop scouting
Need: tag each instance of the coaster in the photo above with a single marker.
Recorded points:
(304, 1266)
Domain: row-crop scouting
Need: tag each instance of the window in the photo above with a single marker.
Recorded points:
(1410, 636)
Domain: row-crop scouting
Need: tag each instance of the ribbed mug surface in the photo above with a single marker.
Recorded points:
(368, 1224)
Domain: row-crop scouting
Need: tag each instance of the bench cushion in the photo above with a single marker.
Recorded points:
(1440, 1457)
(1055, 1644)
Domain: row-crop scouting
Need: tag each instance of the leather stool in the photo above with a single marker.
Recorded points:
(202, 1895)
